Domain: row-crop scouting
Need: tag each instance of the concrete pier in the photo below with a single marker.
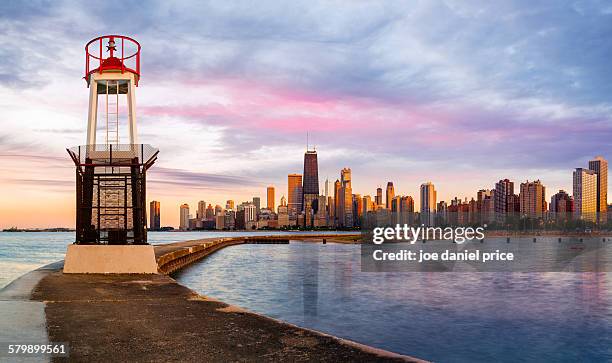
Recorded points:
(152, 318)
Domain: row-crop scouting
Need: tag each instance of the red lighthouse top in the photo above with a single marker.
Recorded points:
(116, 53)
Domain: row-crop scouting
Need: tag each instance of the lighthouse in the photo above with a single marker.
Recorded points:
(111, 166)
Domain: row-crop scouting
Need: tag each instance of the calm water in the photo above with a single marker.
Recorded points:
(21, 252)
(445, 317)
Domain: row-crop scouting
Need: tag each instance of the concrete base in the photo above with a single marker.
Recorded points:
(91, 259)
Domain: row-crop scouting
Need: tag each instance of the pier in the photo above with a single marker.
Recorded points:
(150, 317)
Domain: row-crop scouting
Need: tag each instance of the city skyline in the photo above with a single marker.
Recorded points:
(507, 196)
(460, 94)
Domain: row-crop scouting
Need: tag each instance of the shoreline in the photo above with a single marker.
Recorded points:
(99, 315)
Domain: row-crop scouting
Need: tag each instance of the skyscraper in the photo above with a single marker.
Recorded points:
(585, 194)
(504, 189)
(345, 199)
(257, 203)
(201, 212)
(154, 216)
(310, 186)
(270, 200)
(600, 166)
(229, 205)
(561, 205)
(532, 199)
(390, 194)
(294, 192)
(428, 204)
(367, 205)
(184, 217)
(378, 198)
(337, 187)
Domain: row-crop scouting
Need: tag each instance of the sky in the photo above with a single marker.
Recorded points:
(459, 93)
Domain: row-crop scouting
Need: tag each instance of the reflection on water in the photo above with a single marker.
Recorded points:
(483, 316)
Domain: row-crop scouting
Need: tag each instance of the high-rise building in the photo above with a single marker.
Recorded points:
(154, 216)
(600, 166)
(250, 212)
(229, 205)
(270, 200)
(201, 212)
(257, 203)
(532, 199)
(218, 210)
(561, 205)
(504, 189)
(428, 204)
(357, 209)
(378, 199)
(390, 194)
(367, 205)
(337, 187)
(310, 186)
(184, 217)
(294, 193)
(345, 199)
(407, 210)
(585, 194)
(210, 212)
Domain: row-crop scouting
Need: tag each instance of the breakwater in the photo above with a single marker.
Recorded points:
(174, 256)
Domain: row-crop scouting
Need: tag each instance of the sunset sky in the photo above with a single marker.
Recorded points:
(458, 93)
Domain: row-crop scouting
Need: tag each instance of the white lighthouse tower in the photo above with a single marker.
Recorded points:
(112, 88)
(111, 167)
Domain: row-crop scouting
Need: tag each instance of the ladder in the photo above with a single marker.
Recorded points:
(112, 113)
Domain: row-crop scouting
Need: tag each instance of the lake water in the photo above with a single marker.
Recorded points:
(445, 317)
(21, 252)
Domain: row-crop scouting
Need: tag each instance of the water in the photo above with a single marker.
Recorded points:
(21, 252)
(445, 317)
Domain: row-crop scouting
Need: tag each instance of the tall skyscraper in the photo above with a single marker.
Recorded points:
(600, 166)
(532, 199)
(585, 194)
(378, 198)
(504, 189)
(229, 205)
(154, 216)
(337, 187)
(270, 198)
(210, 212)
(310, 186)
(257, 203)
(345, 199)
(428, 204)
(201, 212)
(184, 217)
(390, 194)
(367, 205)
(294, 193)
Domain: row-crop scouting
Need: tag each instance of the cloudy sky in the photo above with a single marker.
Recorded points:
(460, 93)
